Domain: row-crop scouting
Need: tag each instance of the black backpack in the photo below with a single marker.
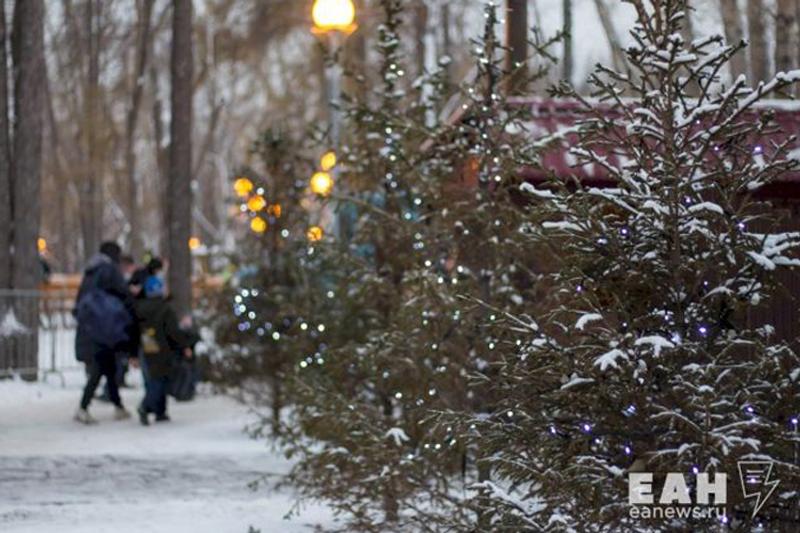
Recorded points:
(104, 318)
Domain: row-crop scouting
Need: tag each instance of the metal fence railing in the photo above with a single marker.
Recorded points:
(37, 333)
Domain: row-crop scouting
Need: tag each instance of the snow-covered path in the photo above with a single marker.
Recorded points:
(190, 475)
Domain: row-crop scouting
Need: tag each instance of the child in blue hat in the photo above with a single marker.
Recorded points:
(163, 342)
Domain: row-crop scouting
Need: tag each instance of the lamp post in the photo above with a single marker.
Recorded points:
(334, 21)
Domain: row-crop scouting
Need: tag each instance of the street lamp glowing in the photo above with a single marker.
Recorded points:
(242, 186)
(194, 243)
(314, 233)
(328, 161)
(41, 245)
(321, 183)
(258, 225)
(333, 15)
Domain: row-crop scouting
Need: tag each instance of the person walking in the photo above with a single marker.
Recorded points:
(106, 324)
(130, 350)
(163, 342)
(154, 267)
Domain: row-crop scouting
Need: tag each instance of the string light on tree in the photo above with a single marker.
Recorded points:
(242, 187)
(256, 203)
(321, 183)
(328, 161)
(314, 233)
(258, 225)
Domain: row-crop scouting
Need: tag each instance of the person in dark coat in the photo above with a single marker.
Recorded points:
(103, 274)
(130, 350)
(154, 267)
(163, 341)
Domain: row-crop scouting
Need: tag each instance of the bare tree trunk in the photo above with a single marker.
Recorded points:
(277, 403)
(162, 163)
(796, 58)
(63, 182)
(484, 515)
(29, 91)
(90, 207)
(734, 34)
(447, 40)
(516, 62)
(6, 186)
(785, 27)
(180, 158)
(208, 206)
(420, 32)
(321, 72)
(617, 60)
(568, 64)
(759, 52)
(142, 46)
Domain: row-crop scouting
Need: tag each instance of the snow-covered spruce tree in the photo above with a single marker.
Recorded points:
(263, 321)
(648, 359)
(435, 220)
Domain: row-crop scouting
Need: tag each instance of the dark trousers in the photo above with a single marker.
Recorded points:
(155, 398)
(122, 369)
(103, 364)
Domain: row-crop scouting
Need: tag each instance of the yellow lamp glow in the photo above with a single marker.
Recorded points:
(321, 183)
(258, 225)
(256, 203)
(194, 243)
(41, 244)
(328, 161)
(333, 15)
(242, 186)
(314, 233)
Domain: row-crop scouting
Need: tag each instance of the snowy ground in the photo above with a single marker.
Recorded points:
(190, 475)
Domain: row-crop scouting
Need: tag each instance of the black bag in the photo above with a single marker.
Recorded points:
(183, 381)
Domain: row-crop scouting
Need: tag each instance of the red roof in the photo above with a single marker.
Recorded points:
(548, 116)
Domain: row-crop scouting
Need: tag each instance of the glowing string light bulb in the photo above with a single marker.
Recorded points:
(314, 233)
(258, 225)
(321, 183)
(242, 186)
(328, 161)
(256, 203)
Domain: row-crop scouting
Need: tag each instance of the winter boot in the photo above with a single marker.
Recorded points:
(120, 413)
(143, 416)
(83, 416)
(163, 418)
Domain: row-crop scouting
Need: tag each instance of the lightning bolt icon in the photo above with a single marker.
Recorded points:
(756, 483)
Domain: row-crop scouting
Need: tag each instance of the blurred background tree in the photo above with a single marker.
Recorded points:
(105, 160)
